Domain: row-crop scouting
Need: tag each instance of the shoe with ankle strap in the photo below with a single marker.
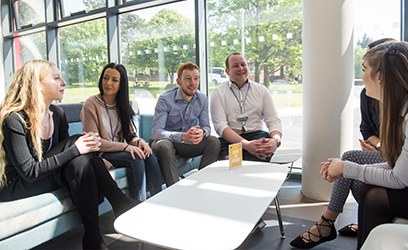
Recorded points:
(306, 243)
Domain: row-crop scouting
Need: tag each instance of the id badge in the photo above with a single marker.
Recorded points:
(242, 118)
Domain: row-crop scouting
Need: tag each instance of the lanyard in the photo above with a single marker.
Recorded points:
(113, 133)
(243, 103)
(181, 113)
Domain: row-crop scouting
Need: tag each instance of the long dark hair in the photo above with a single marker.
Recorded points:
(389, 60)
(126, 112)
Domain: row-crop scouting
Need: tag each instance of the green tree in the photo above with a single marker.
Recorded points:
(94, 4)
(365, 41)
(130, 26)
(167, 41)
(358, 59)
(84, 49)
(272, 31)
(359, 51)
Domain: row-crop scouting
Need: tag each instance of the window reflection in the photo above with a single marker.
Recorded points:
(72, 7)
(83, 56)
(30, 12)
(30, 47)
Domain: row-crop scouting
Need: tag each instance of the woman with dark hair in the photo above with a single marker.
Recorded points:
(109, 113)
(38, 156)
(324, 230)
(385, 185)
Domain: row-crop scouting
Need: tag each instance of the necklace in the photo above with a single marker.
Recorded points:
(48, 129)
(47, 124)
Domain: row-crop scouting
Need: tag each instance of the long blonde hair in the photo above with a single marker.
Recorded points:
(24, 93)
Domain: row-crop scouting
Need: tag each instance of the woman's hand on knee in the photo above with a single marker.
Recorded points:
(135, 150)
(88, 142)
(147, 151)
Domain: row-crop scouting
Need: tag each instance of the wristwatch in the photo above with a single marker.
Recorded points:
(279, 142)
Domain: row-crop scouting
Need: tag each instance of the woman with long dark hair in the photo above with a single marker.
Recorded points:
(324, 229)
(385, 185)
(109, 113)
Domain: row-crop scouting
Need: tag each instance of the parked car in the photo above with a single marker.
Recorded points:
(217, 75)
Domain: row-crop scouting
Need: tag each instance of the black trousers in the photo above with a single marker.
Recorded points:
(257, 135)
(379, 205)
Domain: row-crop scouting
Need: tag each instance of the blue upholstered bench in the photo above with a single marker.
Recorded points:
(28, 222)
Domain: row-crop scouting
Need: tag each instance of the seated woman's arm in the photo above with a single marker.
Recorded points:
(21, 156)
(92, 122)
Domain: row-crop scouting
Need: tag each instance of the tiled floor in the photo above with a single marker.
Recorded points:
(299, 213)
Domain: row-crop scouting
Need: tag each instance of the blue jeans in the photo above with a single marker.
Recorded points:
(140, 173)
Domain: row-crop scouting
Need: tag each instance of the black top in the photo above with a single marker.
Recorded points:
(21, 157)
(370, 117)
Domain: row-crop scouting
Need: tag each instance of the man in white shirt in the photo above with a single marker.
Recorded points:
(240, 109)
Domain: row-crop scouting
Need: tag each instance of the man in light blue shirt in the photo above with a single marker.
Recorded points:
(181, 125)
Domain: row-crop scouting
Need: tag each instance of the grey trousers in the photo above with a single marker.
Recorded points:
(165, 151)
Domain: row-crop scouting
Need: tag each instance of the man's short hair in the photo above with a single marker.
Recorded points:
(187, 65)
(233, 54)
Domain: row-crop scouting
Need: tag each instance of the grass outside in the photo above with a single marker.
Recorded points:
(284, 95)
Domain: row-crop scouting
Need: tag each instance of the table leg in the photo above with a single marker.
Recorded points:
(290, 171)
(140, 245)
(278, 213)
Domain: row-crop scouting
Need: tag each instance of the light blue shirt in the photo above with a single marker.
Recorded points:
(173, 116)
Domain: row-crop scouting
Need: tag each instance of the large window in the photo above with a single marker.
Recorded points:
(154, 42)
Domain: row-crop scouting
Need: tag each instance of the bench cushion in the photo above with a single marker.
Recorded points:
(23, 214)
(20, 215)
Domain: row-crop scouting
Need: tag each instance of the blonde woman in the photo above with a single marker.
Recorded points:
(37, 155)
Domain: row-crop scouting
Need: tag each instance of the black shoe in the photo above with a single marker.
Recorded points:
(349, 231)
(261, 224)
(308, 243)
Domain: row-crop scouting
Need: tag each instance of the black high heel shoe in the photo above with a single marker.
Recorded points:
(308, 243)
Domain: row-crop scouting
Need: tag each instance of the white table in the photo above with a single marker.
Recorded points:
(215, 208)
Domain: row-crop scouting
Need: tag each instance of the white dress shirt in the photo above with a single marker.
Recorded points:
(256, 103)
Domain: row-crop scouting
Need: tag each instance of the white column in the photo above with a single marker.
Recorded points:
(328, 56)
